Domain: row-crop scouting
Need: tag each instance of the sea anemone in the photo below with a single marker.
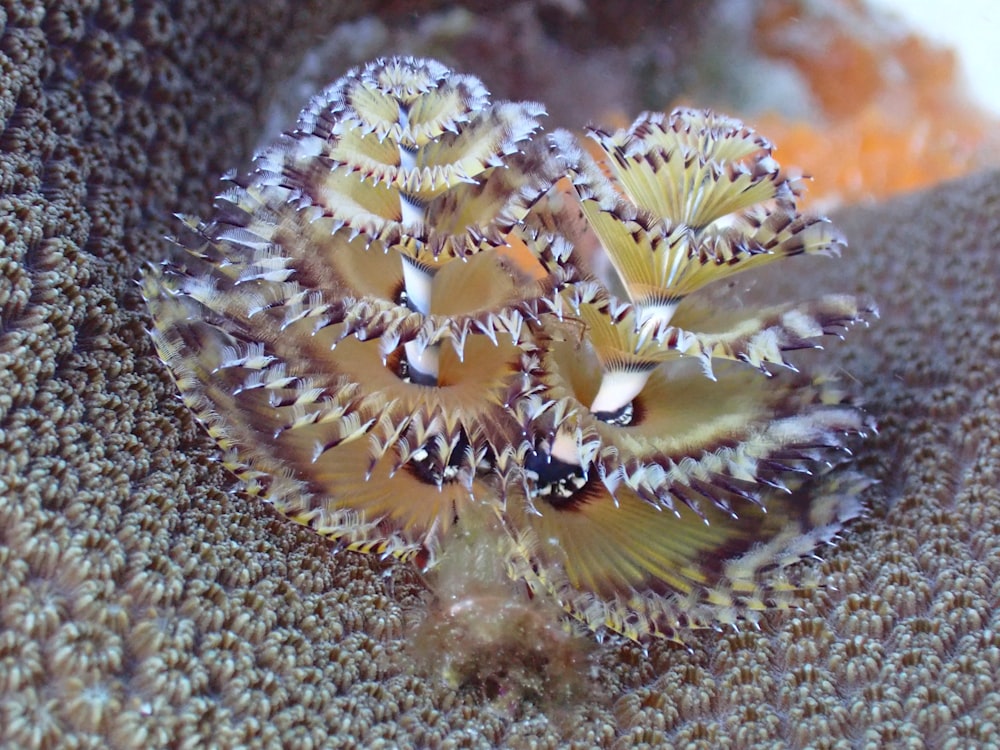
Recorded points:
(418, 312)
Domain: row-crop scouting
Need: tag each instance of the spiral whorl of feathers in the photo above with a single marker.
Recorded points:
(417, 311)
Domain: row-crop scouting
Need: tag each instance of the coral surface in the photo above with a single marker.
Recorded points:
(143, 604)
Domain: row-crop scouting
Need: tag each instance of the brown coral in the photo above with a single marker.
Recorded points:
(112, 516)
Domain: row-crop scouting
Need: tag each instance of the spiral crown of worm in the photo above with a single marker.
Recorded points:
(417, 311)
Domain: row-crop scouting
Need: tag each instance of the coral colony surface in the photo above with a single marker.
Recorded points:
(418, 318)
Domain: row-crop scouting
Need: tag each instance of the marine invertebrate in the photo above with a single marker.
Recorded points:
(398, 322)
(98, 455)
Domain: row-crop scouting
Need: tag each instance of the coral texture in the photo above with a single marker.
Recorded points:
(142, 604)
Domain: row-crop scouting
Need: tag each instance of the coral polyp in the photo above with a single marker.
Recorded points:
(417, 311)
